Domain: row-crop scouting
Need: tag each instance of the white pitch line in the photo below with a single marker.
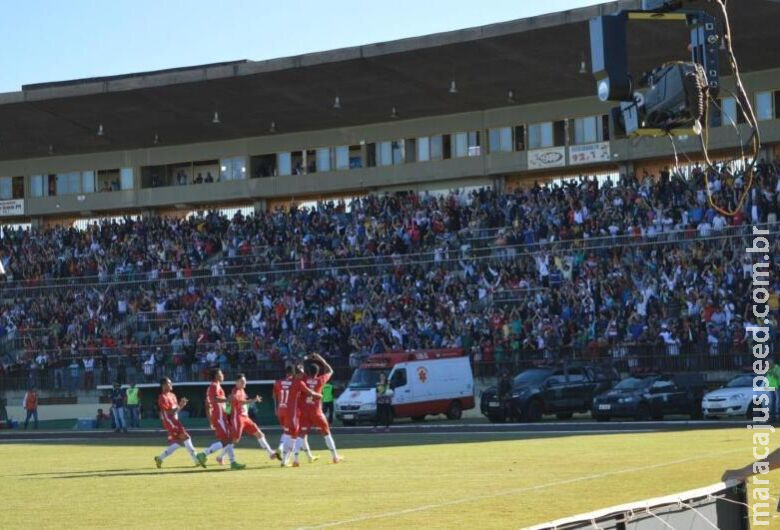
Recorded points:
(515, 491)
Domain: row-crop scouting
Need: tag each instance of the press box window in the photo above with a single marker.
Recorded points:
(765, 106)
(540, 135)
(500, 140)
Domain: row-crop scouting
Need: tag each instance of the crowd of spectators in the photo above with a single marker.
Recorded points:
(579, 268)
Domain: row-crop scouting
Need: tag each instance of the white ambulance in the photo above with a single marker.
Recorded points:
(423, 381)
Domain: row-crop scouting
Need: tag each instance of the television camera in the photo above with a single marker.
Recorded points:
(670, 99)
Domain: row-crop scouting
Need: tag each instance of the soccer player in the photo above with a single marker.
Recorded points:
(286, 397)
(312, 416)
(215, 406)
(239, 417)
(169, 415)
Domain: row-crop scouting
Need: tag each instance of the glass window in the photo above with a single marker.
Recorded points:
(342, 157)
(586, 130)
(284, 163)
(323, 159)
(6, 188)
(398, 152)
(126, 178)
(36, 185)
(88, 182)
(232, 168)
(474, 148)
(540, 135)
(384, 153)
(728, 111)
(423, 149)
(500, 140)
(68, 183)
(461, 145)
(437, 147)
(764, 110)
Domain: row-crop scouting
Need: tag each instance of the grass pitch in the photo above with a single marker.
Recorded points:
(488, 480)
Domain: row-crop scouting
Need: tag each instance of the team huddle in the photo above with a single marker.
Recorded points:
(297, 403)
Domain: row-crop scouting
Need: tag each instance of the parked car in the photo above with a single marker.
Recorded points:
(649, 397)
(538, 391)
(735, 399)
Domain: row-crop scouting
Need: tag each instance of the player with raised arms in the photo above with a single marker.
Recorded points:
(178, 436)
(286, 398)
(318, 372)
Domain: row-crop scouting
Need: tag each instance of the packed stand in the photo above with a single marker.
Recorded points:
(642, 271)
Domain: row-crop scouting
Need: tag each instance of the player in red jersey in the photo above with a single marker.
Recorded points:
(286, 397)
(219, 421)
(239, 417)
(312, 416)
(169, 415)
(282, 405)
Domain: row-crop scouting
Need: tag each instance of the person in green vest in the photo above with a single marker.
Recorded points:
(773, 379)
(327, 401)
(132, 406)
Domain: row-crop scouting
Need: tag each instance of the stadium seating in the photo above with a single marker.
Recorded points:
(643, 272)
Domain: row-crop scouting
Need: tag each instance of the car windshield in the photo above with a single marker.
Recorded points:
(365, 378)
(741, 381)
(634, 383)
(531, 377)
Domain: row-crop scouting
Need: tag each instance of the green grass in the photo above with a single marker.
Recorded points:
(388, 481)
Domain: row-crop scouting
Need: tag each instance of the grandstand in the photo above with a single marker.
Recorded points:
(111, 254)
(450, 191)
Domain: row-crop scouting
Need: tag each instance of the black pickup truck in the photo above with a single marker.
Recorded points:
(561, 391)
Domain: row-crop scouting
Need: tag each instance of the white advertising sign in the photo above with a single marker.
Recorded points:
(548, 157)
(589, 153)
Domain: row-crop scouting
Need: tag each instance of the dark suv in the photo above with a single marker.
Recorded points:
(561, 391)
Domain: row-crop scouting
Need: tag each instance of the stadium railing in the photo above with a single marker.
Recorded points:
(720, 506)
(129, 364)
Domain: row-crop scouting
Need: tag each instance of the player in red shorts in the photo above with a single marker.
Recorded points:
(169, 415)
(239, 417)
(219, 421)
(312, 416)
(286, 397)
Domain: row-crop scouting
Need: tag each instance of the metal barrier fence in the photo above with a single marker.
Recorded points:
(67, 374)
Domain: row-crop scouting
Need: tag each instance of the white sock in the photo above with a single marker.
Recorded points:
(169, 451)
(306, 446)
(297, 448)
(230, 454)
(213, 448)
(264, 444)
(283, 442)
(190, 449)
(331, 445)
(288, 448)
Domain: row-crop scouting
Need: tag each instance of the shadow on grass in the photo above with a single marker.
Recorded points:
(399, 436)
(108, 473)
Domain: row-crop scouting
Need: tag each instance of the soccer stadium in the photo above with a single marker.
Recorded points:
(519, 275)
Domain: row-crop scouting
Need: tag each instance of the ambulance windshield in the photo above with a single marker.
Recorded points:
(365, 378)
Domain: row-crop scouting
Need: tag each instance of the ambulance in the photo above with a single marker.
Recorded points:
(424, 382)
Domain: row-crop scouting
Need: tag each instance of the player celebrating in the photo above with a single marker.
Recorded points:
(169, 415)
(239, 416)
(286, 394)
(282, 406)
(215, 400)
(311, 412)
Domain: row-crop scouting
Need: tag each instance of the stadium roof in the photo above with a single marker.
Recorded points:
(538, 58)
